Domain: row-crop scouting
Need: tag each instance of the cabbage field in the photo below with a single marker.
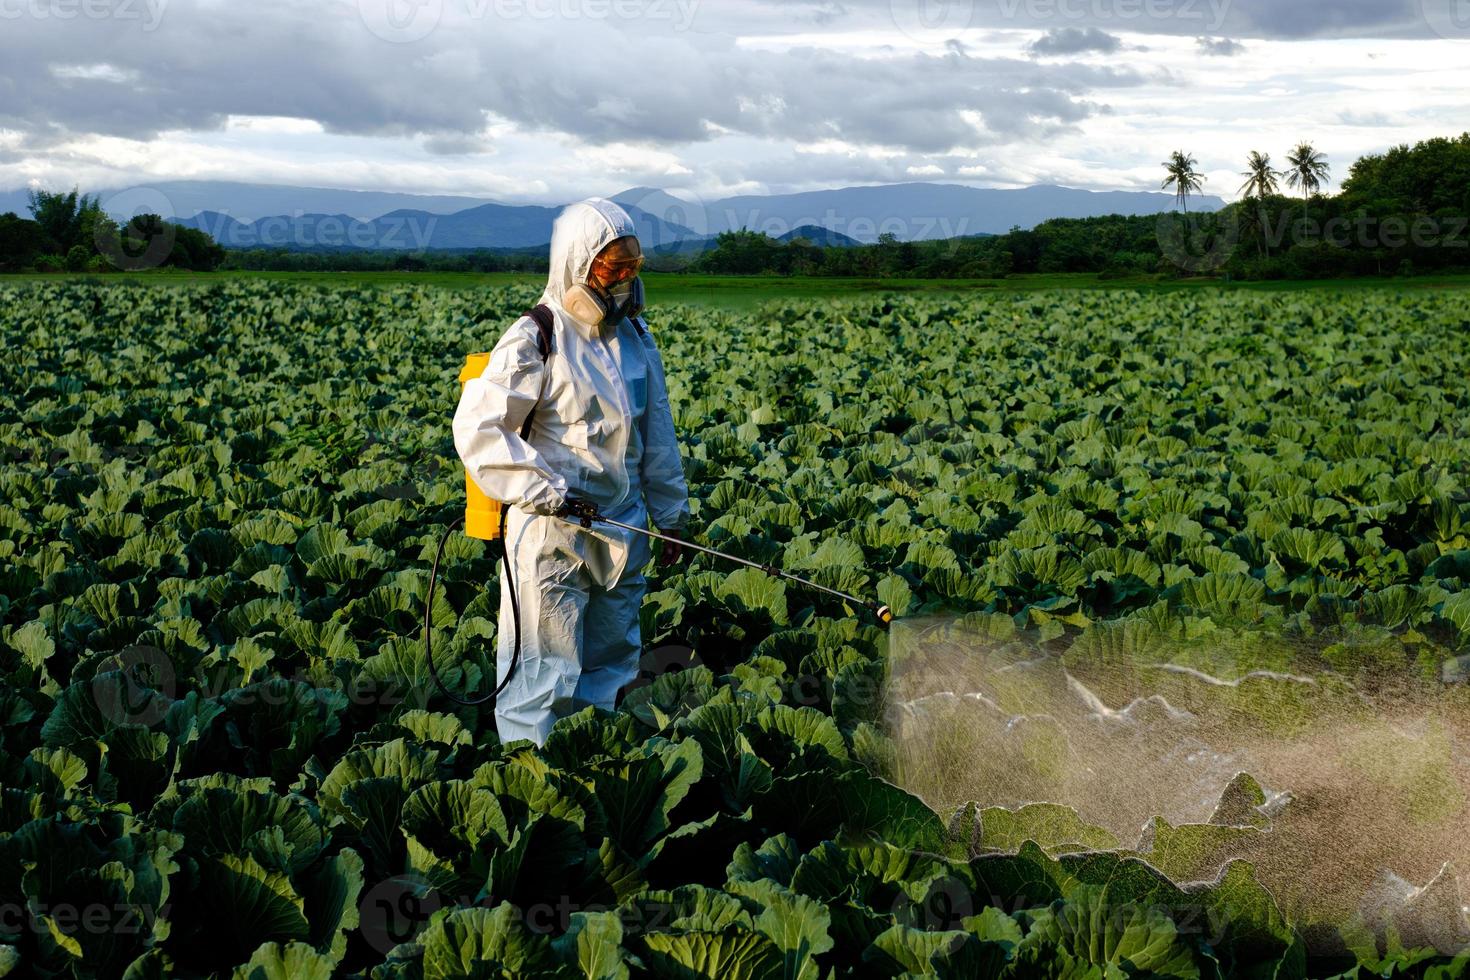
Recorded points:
(220, 753)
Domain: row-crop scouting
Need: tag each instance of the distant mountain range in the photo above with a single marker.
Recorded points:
(254, 216)
(817, 235)
(922, 211)
(247, 202)
(486, 226)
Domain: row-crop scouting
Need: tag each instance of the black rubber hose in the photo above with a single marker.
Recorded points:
(515, 615)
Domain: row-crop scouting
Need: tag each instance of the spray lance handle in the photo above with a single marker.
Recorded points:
(580, 510)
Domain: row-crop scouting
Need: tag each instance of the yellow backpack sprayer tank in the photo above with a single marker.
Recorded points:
(481, 513)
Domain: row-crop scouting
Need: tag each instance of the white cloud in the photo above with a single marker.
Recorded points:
(844, 148)
(284, 125)
(100, 72)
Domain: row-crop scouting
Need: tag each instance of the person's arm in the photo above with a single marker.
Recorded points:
(487, 426)
(662, 470)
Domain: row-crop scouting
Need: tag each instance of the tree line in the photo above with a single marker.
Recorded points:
(1400, 212)
(70, 232)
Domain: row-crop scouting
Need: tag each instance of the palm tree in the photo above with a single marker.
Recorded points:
(1308, 169)
(1182, 177)
(1260, 178)
(1260, 183)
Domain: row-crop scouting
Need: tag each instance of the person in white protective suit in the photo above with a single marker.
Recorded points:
(602, 434)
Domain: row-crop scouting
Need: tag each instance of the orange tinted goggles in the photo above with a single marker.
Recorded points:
(617, 264)
(616, 273)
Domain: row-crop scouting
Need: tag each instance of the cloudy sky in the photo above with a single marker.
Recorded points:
(547, 100)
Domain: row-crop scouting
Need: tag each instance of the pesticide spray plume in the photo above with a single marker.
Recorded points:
(1340, 774)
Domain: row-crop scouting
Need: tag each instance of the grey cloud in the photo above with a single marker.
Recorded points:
(272, 59)
(1074, 40)
(1373, 119)
(195, 69)
(1219, 47)
(1340, 18)
(1264, 19)
(455, 144)
(827, 13)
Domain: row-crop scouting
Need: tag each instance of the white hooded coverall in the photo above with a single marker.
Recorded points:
(602, 431)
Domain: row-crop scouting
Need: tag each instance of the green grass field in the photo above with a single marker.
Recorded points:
(744, 292)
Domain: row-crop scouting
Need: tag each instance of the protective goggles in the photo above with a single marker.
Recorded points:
(620, 262)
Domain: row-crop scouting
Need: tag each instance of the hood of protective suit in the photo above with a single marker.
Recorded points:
(581, 231)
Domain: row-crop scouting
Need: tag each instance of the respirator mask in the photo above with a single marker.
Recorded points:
(612, 290)
(600, 306)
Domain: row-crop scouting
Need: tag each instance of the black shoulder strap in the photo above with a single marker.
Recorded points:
(544, 322)
(639, 325)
